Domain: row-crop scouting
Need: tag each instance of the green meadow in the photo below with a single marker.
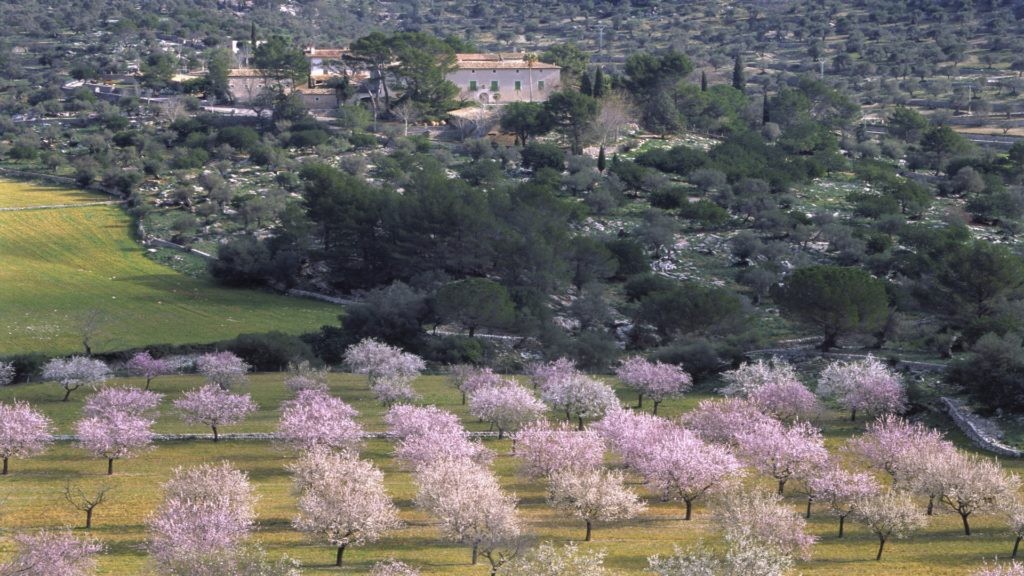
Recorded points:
(33, 495)
(64, 267)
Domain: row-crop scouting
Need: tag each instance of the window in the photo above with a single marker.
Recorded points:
(519, 85)
(494, 85)
(472, 85)
(540, 85)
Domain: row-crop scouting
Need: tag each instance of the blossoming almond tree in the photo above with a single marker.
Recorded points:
(404, 420)
(972, 483)
(378, 360)
(75, 372)
(721, 420)
(46, 553)
(509, 407)
(751, 376)
(114, 436)
(653, 379)
(545, 449)
(762, 519)
(595, 495)
(891, 514)
(342, 500)
(468, 378)
(129, 401)
(224, 369)
(840, 489)
(143, 364)
(783, 452)
(897, 446)
(419, 450)
(314, 418)
(207, 512)
(580, 397)
(863, 385)
(24, 432)
(213, 406)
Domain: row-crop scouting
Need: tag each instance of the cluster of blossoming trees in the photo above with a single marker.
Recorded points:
(889, 479)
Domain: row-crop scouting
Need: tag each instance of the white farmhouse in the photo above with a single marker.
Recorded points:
(504, 77)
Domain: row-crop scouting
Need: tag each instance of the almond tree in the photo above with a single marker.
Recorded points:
(751, 376)
(24, 432)
(424, 449)
(841, 489)
(467, 379)
(404, 420)
(223, 369)
(866, 385)
(550, 373)
(144, 365)
(302, 376)
(128, 401)
(380, 361)
(891, 514)
(679, 466)
(114, 436)
(1014, 568)
(86, 501)
(595, 495)
(213, 406)
(580, 397)
(46, 553)
(393, 568)
(720, 421)
(508, 407)
(471, 507)
(207, 513)
(786, 400)
(547, 560)
(342, 500)
(545, 449)
(783, 452)
(1014, 511)
(654, 379)
(75, 372)
(973, 483)
(762, 520)
(894, 445)
(314, 418)
(630, 433)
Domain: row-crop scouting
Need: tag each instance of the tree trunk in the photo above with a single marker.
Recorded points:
(589, 526)
(4, 473)
(640, 401)
(341, 553)
(830, 341)
(88, 518)
(215, 437)
(1016, 544)
(842, 520)
(656, 402)
(881, 545)
(67, 393)
(967, 527)
(580, 427)
(853, 415)
(473, 561)
(501, 433)
(931, 503)
(689, 509)
(472, 329)
(463, 398)
(148, 380)
(810, 499)
(782, 486)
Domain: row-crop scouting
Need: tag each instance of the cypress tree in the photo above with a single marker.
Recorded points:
(766, 115)
(598, 83)
(586, 87)
(703, 81)
(739, 80)
(252, 35)
(600, 159)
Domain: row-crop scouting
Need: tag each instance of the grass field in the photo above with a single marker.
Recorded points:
(60, 265)
(17, 194)
(33, 497)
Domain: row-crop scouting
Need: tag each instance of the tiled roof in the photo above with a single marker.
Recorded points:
(503, 60)
(314, 52)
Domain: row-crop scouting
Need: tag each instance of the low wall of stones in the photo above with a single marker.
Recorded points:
(975, 427)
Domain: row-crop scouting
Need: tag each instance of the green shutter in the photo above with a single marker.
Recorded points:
(494, 85)
(519, 85)
(472, 85)
(540, 84)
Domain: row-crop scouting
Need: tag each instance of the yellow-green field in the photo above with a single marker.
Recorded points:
(33, 497)
(60, 267)
(16, 194)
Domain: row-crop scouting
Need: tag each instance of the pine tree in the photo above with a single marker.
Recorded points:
(598, 84)
(739, 80)
(600, 159)
(586, 87)
(703, 81)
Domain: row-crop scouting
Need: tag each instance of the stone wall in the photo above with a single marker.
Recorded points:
(983, 433)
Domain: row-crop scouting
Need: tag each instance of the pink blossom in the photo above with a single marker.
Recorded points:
(129, 401)
(749, 377)
(75, 372)
(783, 452)
(720, 421)
(391, 389)
(509, 407)
(24, 432)
(53, 554)
(840, 489)
(544, 449)
(895, 445)
(866, 385)
(545, 374)
(208, 511)
(404, 420)
(468, 378)
(378, 360)
(304, 377)
(1014, 568)
(762, 519)
(213, 406)
(653, 379)
(114, 435)
(142, 364)
(342, 500)
(786, 400)
(393, 568)
(971, 483)
(680, 466)
(419, 450)
(630, 433)
(314, 418)
(580, 397)
(890, 514)
(223, 369)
